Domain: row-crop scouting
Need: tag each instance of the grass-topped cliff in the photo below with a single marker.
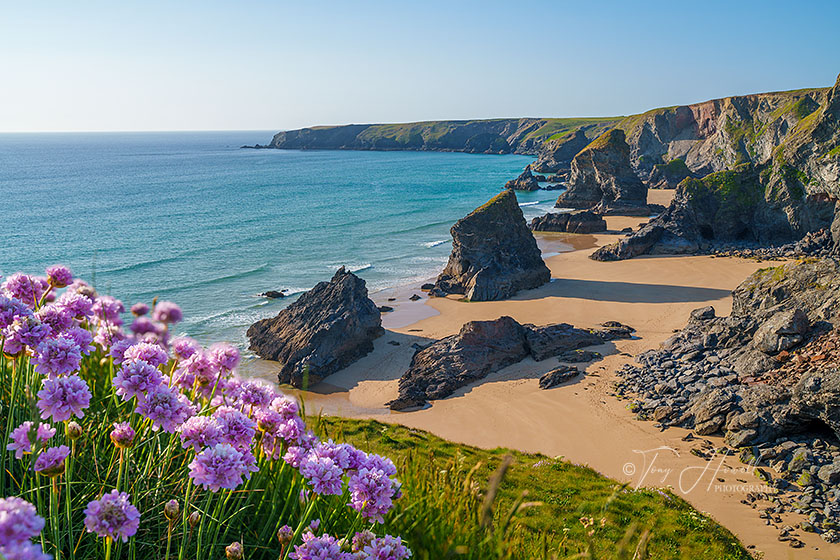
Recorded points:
(500, 136)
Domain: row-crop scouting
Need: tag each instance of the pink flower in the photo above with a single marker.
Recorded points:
(50, 462)
(139, 309)
(167, 312)
(59, 276)
(20, 438)
(222, 466)
(63, 397)
(112, 516)
(57, 356)
(166, 407)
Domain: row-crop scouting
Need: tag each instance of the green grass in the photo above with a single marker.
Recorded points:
(445, 484)
(674, 167)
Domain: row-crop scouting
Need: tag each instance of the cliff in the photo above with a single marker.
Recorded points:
(492, 136)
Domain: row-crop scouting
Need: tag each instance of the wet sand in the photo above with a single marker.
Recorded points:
(581, 420)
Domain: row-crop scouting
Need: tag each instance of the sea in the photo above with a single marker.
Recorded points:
(192, 218)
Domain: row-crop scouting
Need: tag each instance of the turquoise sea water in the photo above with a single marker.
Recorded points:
(192, 218)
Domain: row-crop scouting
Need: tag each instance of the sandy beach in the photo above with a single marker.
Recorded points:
(581, 420)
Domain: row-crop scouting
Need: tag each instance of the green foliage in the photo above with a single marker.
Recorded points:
(738, 188)
(676, 167)
(445, 485)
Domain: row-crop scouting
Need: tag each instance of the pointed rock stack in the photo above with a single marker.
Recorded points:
(494, 254)
(328, 328)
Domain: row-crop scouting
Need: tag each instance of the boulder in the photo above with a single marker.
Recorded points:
(273, 294)
(480, 348)
(570, 222)
(602, 178)
(553, 340)
(782, 331)
(494, 254)
(525, 182)
(326, 329)
(557, 376)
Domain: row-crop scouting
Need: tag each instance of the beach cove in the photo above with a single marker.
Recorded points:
(581, 421)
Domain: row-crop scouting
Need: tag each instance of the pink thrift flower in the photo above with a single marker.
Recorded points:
(57, 356)
(166, 407)
(201, 431)
(59, 276)
(153, 354)
(135, 378)
(222, 466)
(139, 309)
(167, 312)
(63, 397)
(112, 516)
(19, 521)
(50, 462)
(20, 438)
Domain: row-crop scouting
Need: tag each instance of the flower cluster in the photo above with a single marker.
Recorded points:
(228, 425)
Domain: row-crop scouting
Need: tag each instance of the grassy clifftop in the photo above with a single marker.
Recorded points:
(524, 135)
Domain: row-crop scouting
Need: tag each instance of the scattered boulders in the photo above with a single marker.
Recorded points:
(326, 329)
(415, 297)
(385, 308)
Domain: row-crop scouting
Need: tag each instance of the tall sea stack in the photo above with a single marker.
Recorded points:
(494, 254)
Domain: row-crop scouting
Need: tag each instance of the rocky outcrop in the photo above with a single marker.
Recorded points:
(570, 222)
(764, 372)
(747, 206)
(326, 329)
(525, 182)
(603, 179)
(668, 175)
(556, 155)
(494, 255)
(481, 348)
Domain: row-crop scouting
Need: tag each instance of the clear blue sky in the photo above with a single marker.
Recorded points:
(270, 65)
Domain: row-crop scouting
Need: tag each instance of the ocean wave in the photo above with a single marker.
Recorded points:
(430, 244)
(531, 203)
(236, 276)
(360, 268)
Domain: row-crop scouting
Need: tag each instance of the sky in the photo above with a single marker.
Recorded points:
(273, 65)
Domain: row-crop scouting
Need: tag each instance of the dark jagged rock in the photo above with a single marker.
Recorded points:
(415, 297)
(326, 329)
(385, 308)
(553, 340)
(480, 348)
(540, 178)
(558, 376)
(426, 287)
(603, 179)
(613, 330)
(525, 182)
(494, 254)
(583, 221)
(558, 154)
(273, 294)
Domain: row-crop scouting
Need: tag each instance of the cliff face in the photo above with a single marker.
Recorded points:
(495, 136)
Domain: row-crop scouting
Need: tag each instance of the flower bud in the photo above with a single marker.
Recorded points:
(234, 551)
(285, 535)
(171, 510)
(54, 470)
(122, 435)
(73, 431)
(194, 518)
